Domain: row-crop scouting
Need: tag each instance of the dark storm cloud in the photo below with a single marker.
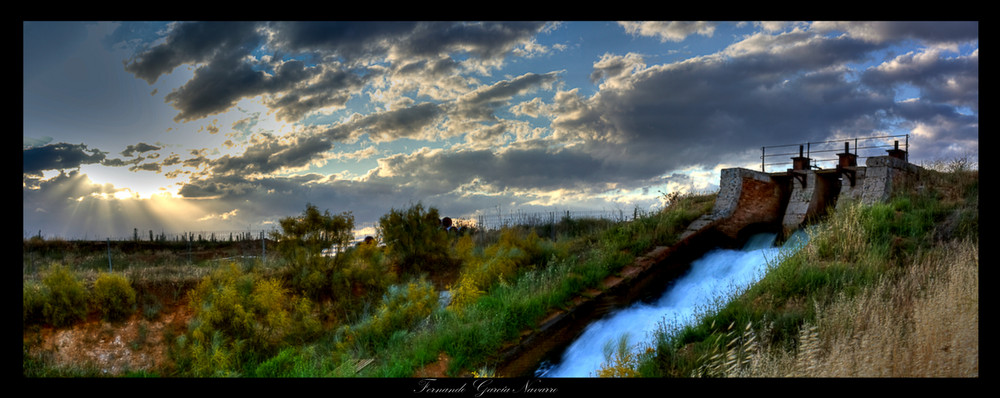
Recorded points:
(884, 31)
(272, 197)
(333, 88)
(223, 186)
(480, 104)
(216, 87)
(346, 40)
(115, 162)
(69, 186)
(269, 154)
(350, 40)
(431, 67)
(59, 156)
(146, 167)
(140, 148)
(227, 73)
(764, 90)
(195, 42)
(437, 172)
(407, 122)
(951, 80)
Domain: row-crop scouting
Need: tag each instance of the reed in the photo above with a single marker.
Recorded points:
(925, 324)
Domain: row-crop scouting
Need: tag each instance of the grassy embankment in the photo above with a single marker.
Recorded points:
(307, 317)
(889, 290)
(886, 290)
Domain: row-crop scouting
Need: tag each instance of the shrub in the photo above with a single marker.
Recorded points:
(239, 317)
(501, 262)
(361, 276)
(402, 307)
(66, 298)
(113, 296)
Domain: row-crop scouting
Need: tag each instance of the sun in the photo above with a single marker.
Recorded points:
(122, 184)
(138, 194)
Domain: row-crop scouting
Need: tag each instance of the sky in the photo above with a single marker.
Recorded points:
(225, 126)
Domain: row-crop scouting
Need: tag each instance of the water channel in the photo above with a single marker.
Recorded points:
(715, 276)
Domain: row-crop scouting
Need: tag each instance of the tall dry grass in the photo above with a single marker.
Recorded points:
(921, 323)
(925, 324)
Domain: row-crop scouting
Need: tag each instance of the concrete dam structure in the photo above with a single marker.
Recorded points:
(749, 202)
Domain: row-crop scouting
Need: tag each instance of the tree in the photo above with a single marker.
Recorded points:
(414, 239)
(314, 231)
(302, 241)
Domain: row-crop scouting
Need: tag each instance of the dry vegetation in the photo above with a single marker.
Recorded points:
(923, 324)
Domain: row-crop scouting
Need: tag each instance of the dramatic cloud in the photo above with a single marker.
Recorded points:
(59, 156)
(669, 31)
(195, 43)
(140, 148)
(245, 122)
(940, 78)
(341, 56)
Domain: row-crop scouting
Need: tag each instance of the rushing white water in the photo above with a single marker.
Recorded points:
(715, 276)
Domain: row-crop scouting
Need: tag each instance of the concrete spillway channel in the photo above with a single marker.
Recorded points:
(749, 202)
(639, 280)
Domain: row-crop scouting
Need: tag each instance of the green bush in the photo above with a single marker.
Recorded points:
(361, 276)
(113, 296)
(66, 297)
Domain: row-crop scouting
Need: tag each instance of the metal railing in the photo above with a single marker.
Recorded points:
(522, 218)
(863, 147)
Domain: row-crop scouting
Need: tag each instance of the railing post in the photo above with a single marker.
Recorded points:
(762, 160)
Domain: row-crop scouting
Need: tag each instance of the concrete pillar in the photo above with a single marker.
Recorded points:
(884, 174)
(809, 199)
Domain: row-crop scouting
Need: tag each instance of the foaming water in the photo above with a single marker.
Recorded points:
(716, 275)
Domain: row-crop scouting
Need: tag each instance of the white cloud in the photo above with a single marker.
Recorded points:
(669, 31)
